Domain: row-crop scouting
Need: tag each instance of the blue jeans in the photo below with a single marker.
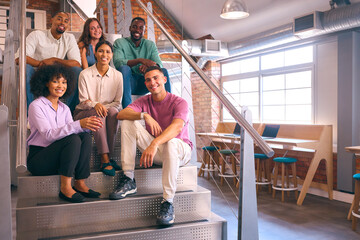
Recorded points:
(134, 84)
(71, 101)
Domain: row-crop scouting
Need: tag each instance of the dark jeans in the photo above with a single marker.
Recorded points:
(68, 156)
(71, 101)
(134, 84)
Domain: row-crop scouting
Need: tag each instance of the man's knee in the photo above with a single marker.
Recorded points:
(76, 71)
(124, 69)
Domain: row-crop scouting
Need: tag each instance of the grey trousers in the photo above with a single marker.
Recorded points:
(105, 136)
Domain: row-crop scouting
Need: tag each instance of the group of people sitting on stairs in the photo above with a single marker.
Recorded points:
(72, 90)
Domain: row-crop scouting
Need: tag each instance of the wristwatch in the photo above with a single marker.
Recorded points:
(142, 115)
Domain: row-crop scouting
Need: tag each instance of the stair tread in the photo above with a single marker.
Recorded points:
(109, 230)
(148, 181)
(39, 202)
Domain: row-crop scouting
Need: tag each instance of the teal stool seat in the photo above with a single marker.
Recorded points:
(285, 160)
(285, 163)
(209, 148)
(356, 176)
(228, 151)
(260, 156)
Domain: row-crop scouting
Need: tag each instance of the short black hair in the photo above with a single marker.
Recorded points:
(104, 42)
(45, 74)
(137, 18)
(151, 68)
(57, 12)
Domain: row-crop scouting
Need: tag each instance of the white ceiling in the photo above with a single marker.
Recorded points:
(202, 17)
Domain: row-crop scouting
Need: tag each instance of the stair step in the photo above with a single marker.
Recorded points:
(212, 229)
(148, 181)
(52, 217)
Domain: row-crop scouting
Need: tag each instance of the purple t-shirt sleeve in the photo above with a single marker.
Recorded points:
(138, 105)
(181, 111)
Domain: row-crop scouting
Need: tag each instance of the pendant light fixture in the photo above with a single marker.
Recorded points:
(234, 9)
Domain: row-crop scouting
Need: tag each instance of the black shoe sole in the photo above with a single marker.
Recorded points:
(165, 223)
(114, 197)
(75, 198)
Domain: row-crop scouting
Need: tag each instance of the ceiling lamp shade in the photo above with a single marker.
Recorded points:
(234, 9)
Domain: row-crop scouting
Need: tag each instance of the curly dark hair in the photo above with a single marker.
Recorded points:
(45, 74)
(85, 36)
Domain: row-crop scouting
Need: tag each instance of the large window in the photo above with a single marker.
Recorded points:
(276, 87)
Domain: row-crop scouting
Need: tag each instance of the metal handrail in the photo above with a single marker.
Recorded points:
(21, 131)
(232, 110)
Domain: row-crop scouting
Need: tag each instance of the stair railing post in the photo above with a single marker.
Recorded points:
(5, 200)
(247, 229)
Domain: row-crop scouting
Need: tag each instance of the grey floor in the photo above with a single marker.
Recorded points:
(318, 218)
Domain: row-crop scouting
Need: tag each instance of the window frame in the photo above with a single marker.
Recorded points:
(274, 71)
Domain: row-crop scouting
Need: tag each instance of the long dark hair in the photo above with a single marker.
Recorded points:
(85, 36)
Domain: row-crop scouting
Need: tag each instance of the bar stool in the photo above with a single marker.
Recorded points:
(228, 153)
(263, 175)
(355, 207)
(285, 162)
(208, 154)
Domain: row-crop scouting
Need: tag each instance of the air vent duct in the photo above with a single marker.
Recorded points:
(212, 46)
(309, 24)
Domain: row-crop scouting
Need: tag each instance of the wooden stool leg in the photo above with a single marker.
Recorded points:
(268, 172)
(208, 166)
(350, 210)
(257, 173)
(223, 159)
(282, 181)
(356, 204)
(287, 179)
(276, 169)
(293, 172)
(212, 161)
(233, 164)
(262, 171)
(201, 171)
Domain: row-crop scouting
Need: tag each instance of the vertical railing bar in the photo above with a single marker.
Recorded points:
(21, 131)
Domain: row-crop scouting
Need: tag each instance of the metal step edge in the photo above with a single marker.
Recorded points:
(148, 181)
(124, 214)
(215, 228)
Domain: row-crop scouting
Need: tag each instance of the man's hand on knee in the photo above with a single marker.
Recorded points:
(147, 157)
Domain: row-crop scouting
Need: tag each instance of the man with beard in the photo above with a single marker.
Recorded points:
(132, 56)
(53, 46)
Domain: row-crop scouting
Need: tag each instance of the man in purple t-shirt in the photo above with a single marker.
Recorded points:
(165, 140)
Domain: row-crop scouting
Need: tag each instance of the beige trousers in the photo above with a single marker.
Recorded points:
(171, 155)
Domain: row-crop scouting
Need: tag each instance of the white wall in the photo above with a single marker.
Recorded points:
(326, 74)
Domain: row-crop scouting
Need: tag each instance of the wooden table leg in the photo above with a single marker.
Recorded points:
(308, 179)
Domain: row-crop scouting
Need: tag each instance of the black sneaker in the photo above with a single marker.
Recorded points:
(166, 216)
(126, 187)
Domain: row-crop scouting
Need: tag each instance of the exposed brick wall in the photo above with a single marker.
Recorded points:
(48, 6)
(77, 24)
(206, 105)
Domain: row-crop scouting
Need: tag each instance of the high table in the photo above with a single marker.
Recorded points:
(294, 145)
(355, 150)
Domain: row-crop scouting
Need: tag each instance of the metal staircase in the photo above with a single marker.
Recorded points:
(40, 214)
